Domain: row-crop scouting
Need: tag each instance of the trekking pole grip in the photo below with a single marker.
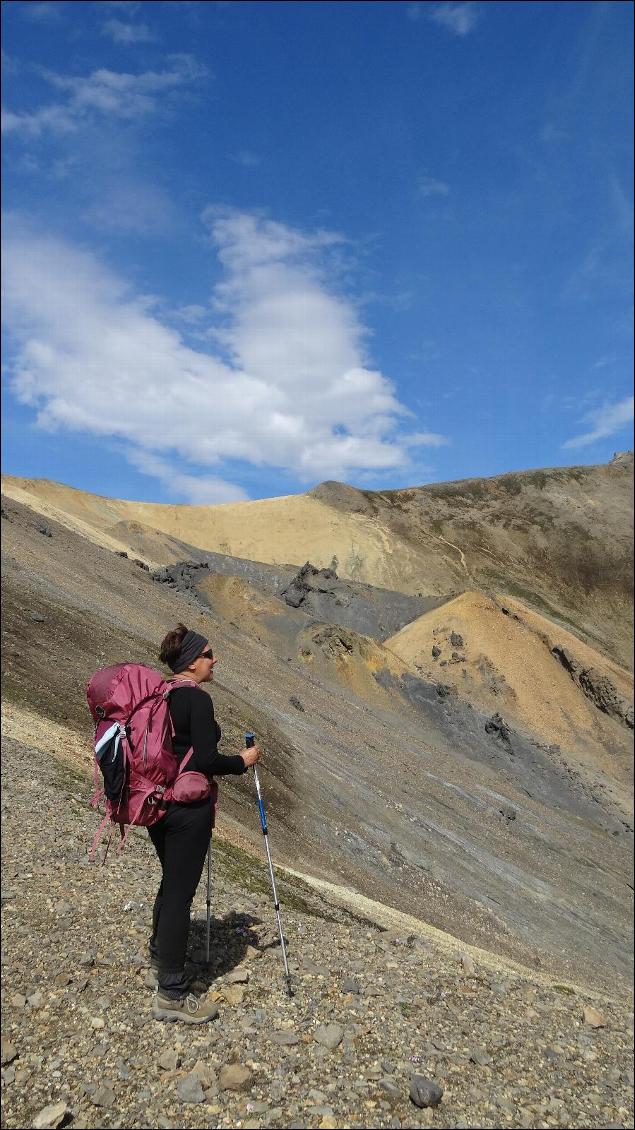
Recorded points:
(250, 741)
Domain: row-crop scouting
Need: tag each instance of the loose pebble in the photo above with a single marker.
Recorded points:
(593, 1017)
(235, 1077)
(329, 1035)
(425, 1092)
(50, 1116)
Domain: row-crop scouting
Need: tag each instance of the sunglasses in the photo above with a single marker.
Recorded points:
(209, 654)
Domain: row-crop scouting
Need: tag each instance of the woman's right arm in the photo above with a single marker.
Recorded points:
(206, 758)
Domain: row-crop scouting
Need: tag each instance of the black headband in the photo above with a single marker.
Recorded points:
(191, 647)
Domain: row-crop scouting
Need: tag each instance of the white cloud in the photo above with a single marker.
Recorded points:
(430, 186)
(10, 65)
(425, 439)
(292, 389)
(247, 158)
(124, 94)
(56, 119)
(116, 93)
(199, 489)
(551, 132)
(605, 421)
(41, 13)
(460, 19)
(122, 32)
(621, 207)
(129, 7)
(192, 314)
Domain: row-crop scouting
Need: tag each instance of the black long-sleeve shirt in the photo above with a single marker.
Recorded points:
(192, 713)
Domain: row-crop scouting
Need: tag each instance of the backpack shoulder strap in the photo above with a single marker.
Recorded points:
(185, 760)
(173, 684)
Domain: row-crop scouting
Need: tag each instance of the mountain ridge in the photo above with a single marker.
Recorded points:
(559, 539)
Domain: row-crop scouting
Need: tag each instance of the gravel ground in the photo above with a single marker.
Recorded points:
(372, 1008)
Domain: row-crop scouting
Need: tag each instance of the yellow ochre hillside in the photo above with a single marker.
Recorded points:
(559, 539)
(498, 654)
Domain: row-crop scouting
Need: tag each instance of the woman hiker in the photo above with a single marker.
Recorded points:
(181, 838)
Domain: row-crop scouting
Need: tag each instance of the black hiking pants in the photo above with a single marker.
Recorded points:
(181, 839)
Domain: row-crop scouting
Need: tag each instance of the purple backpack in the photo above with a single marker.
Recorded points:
(133, 749)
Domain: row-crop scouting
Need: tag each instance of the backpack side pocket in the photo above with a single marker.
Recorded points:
(110, 758)
(191, 787)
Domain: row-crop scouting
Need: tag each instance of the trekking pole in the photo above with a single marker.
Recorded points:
(250, 739)
(209, 900)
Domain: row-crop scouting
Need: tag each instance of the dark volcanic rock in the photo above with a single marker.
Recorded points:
(318, 593)
(498, 728)
(182, 576)
(598, 688)
(308, 580)
(444, 690)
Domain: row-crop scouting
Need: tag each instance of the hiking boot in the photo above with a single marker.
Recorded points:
(189, 1009)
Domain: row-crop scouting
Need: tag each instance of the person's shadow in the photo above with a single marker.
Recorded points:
(228, 941)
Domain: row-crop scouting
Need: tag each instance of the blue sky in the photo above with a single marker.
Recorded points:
(252, 246)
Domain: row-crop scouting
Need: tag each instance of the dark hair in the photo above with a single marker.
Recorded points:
(171, 646)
